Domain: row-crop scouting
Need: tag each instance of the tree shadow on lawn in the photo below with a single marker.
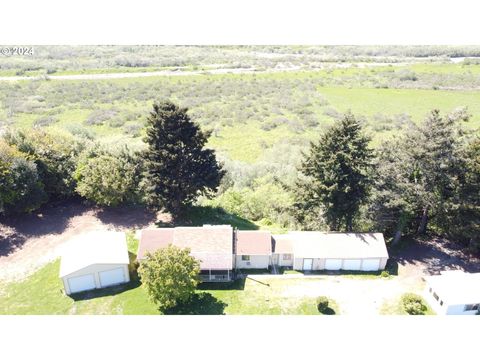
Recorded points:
(238, 284)
(328, 311)
(200, 304)
(201, 215)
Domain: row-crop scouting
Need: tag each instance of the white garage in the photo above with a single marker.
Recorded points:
(314, 250)
(333, 264)
(370, 264)
(352, 264)
(94, 260)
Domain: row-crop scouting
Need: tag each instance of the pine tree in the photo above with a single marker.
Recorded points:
(178, 167)
(436, 151)
(335, 176)
(419, 176)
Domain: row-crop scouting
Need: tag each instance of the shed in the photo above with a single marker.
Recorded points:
(253, 249)
(453, 292)
(94, 260)
(314, 250)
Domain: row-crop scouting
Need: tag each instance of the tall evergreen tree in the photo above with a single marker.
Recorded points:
(178, 167)
(335, 176)
(463, 219)
(419, 174)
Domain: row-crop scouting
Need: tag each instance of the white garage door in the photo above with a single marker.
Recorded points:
(307, 264)
(370, 264)
(352, 264)
(111, 277)
(333, 264)
(81, 283)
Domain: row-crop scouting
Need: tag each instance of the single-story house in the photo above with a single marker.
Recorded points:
(282, 251)
(314, 250)
(253, 249)
(94, 260)
(212, 245)
(453, 292)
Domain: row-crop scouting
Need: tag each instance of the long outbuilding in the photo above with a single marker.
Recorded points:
(315, 250)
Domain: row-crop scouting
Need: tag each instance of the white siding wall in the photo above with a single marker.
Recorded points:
(383, 263)
(458, 310)
(298, 263)
(282, 262)
(256, 262)
(445, 309)
(319, 263)
(95, 269)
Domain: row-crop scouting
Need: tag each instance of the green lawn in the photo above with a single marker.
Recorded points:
(42, 293)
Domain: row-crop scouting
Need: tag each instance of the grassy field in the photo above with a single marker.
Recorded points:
(248, 113)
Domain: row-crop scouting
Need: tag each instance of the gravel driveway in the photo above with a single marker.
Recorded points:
(30, 241)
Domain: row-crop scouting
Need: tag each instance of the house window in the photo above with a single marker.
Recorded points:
(287, 256)
(245, 257)
(435, 296)
(441, 302)
(471, 307)
(430, 290)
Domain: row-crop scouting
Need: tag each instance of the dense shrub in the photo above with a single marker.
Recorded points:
(20, 187)
(322, 303)
(414, 304)
(100, 117)
(55, 155)
(109, 177)
(262, 201)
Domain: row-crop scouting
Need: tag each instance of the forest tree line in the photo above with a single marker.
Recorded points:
(426, 179)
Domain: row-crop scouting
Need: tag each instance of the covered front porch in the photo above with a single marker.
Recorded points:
(216, 275)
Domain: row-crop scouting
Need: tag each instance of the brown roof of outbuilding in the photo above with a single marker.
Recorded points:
(254, 242)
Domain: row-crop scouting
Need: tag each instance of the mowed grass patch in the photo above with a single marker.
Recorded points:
(265, 297)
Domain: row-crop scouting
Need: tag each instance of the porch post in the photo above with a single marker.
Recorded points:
(210, 274)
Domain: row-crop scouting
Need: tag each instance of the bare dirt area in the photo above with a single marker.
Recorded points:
(354, 296)
(431, 256)
(29, 241)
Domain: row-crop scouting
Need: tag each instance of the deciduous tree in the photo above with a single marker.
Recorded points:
(170, 276)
